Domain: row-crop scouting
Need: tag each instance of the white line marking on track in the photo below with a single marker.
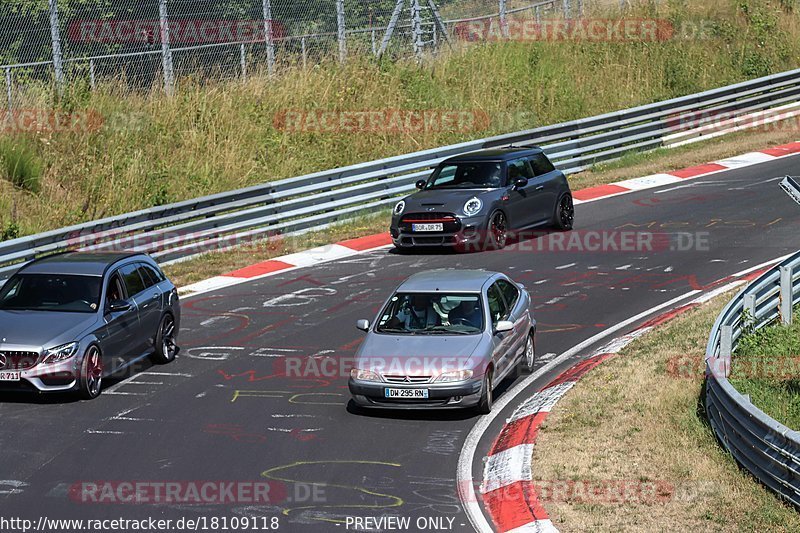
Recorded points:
(118, 393)
(568, 265)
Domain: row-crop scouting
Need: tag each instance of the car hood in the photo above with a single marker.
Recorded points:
(416, 354)
(450, 200)
(42, 329)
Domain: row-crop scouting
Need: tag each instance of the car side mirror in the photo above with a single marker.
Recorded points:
(363, 325)
(421, 184)
(118, 306)
(503, 326)
(520, 183)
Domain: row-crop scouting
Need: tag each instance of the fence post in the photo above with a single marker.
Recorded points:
(565, 7)
(340, 31)
(8, 89)
(538, 14)
(55, 36)
(243, 61)
(374, 44)
(166, 52)
(305, 52)
(416, 24)
(92, 81)
(504, 18)
(786, 295)
(266, 5)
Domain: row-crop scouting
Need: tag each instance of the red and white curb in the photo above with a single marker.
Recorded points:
(508, 491)
(676, 176)
(306, 258)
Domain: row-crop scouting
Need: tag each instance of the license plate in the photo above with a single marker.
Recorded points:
(427, 227)
(10, 376)
(407, 393)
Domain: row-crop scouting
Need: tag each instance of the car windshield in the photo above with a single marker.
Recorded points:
(50, 292)
(478, 175)
(432, 314)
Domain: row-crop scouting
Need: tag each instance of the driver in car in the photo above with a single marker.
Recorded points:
(418, 315)
(467, 313)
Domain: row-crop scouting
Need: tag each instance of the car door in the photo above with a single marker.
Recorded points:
(546, 186)
(117, 337)
(145, 293)
(518, 314)
(524, 202)
(501, 341)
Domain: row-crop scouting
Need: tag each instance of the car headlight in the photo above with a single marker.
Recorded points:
(60, 353)
(400, 207)
(364, 375)
(454, 375)
(473, 207)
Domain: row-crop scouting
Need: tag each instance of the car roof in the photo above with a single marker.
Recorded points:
(495, 154)
(447, 280)
(77, 263)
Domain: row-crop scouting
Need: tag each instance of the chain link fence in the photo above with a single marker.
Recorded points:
(142, 43)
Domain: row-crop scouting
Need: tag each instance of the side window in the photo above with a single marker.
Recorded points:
(149, 275)
(519, 168)
(132, 279)
(497, 307)
(541, 165)
(114, 291)
(510, 292)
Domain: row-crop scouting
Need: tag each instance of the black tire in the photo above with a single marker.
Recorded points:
(529, 359)
(487, 394)
(90, 380)
(166, 347)
(497, 231)
(564, 216)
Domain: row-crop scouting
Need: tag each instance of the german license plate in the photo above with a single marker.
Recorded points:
(427, 227)
(407, 393)
(10, 376)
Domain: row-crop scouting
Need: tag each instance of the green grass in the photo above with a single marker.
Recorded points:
(217, 136)
(20, 164)
(766, 366)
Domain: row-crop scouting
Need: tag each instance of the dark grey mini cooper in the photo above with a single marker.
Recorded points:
(477, 200)
(69, 320)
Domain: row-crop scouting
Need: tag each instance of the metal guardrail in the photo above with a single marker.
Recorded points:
(769, 450)
(185, 229)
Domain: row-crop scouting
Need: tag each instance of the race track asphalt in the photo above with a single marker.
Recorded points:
(224, 411)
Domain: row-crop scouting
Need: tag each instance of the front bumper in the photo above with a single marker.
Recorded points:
(440, 395)
(58, 377)
(470, 231)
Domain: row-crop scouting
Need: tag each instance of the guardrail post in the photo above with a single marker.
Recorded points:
(166, 51)
(749, 310)
(725, 348)
(55, 37)
(786, 305)
(340, 31)
(266, 6)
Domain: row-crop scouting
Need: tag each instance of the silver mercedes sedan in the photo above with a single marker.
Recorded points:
(444, 339)
(69, 320)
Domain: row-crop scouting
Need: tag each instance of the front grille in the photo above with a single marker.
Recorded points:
(408, 380)
(449, 221)
(18, 360)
